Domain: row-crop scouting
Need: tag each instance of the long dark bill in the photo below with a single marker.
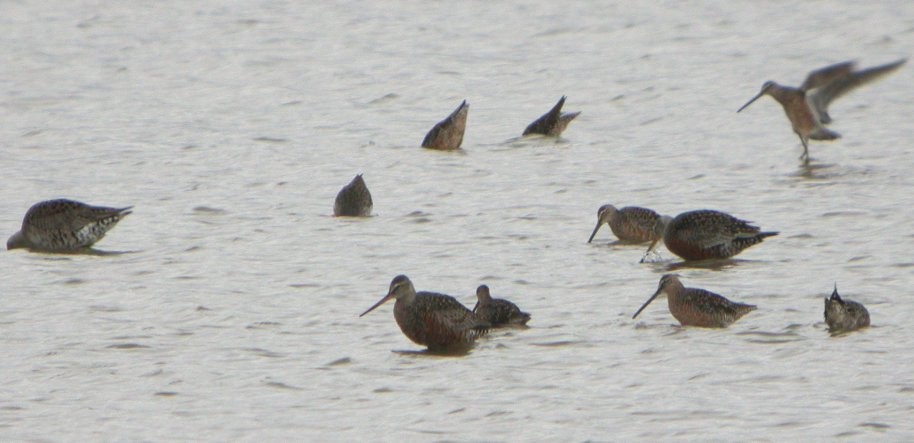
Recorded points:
(647, 303)
(750, 101)
(379, 303)
(595, 229)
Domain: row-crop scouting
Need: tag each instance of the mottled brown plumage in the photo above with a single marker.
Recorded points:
(497, 311)
(630, 224)
(697, 307)
(448, 133)
(353, 200)
(807, 106)
(437, 321)
(553, 122)
(706, 234)
(844, 315)
(65, 226)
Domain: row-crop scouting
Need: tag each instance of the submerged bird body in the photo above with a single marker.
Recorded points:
(707, 234)
(437, 321)
(497, 311)
(553, 122)
(65, 226)
(353, 200)
(807, 106)
(630, 224)
(697, 307)
(844, 315)
(448, 133)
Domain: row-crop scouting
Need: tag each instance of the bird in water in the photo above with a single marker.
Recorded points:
(697, 307)
(497, 311)
(448, 133)
(553, 122)
(706, 234)
(65, 226)
(437, 321)
(630, 224)
(353, 200)
(844, 315)
(807, 106)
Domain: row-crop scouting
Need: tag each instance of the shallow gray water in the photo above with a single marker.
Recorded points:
(234, 316)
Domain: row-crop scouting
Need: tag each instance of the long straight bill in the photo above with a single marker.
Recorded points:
(750, 101)
(379, 303)
(646, 303)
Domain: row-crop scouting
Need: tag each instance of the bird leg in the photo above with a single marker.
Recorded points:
(650, 251)
(805, 155)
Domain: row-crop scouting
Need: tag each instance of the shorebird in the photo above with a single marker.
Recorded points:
(807, 106)
(353, 200)
(437, 321)
(706, 234)
(497, 311)
(844, 315)
(65, 226)
(630, 224)
(697, 307)
(448, 133)
(553, 122)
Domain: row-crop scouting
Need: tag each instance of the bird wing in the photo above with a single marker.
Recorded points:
(837, 86)
(88, 215)
(448, 311)
(709, 302)
(823, 76)
(70, 215)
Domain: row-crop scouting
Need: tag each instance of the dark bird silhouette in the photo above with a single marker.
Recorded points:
(448, 133)
(437, 321)
(807, 106)
(497, 311)
(65, 226)
(353, 200)
(844, 315)
(697, 307)
(630, 224)
(706, 234)
(553, 122)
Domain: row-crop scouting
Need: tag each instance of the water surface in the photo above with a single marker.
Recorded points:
(231, 127)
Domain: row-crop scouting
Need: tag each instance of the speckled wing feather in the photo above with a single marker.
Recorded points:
(67, 224)
(712, 228)
(635, 224)
(711, 308)
(438, 321)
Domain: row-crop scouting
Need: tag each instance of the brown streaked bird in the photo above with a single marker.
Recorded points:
(437, 321)
(353, 200)
(697, 307)
(448, 133)
(630, 224)
(807, 106)
(706, 234)
(497, 311)
(553, 122)
(844, 315)
(65, 226)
